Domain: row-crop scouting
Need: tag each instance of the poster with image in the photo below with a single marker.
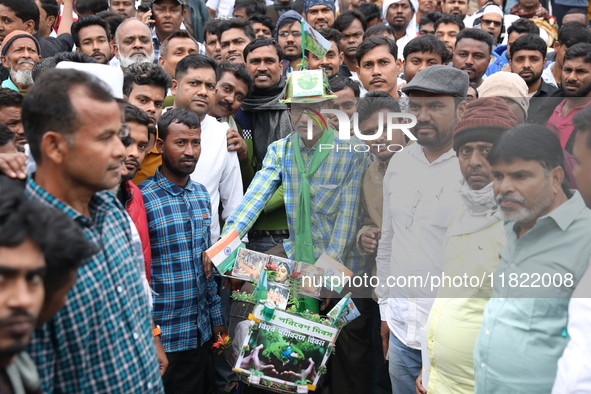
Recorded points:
(278, 294)
(249, 264)
(284, 268)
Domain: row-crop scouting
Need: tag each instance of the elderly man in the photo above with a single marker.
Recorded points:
(421, 187)
(456, 315)
(524, 329)
(133, 43)
(20, 52)
(11, 103)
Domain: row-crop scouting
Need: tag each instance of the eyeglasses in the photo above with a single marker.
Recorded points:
(298, 109)
(285, 34)
(488, 22)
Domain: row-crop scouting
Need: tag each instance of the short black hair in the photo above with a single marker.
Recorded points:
(377, 30)
(85, 21)
(51, 62)
(262, 42)
(530, 142)
(212, 26)
(476, 34)
(373, 42)
(375, 101)
(582, 123)
(529, 42)
(251, 7)
(113, 20)
(572, 33)
(135, 115)
(236, 23)
(60, 238)
(143, 7)
(192, 62)
(93, 6)
(25, 10)
(450, 19)
(10, 98)
(431, 17)
(577, 10)
(262, 19)
(50, 7)
(177, 115)
(344, 20)
(48, 106)
(6, 135)
(370, 10)
(523, 26)
(331, 35)
(579, 50)
(427, 43)
(175, 34)
(286, 22)
(238, 70)
(338, 83)
(145, 74)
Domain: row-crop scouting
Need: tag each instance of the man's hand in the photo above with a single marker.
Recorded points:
(419, 384)
(14, 165)
(236, 284)
(162, 359)
(369, 240)
(146, 18)
(207, 264)
(385, 334)
(217, 332)
(236, 144)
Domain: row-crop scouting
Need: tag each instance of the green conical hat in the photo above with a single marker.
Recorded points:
(307, 86)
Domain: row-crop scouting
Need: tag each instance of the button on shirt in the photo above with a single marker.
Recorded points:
(521, 339)
(335, 198)
(186, 304)
(419, 198)
(90, 346)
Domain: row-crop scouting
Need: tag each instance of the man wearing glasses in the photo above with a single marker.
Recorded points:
(288, 35)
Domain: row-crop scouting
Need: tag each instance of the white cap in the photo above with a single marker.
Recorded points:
(111, 76)
(492, 9)
(387, 3)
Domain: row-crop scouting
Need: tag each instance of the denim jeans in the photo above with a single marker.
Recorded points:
(262, 244)
(405, 366)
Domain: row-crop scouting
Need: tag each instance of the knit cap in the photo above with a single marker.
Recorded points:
(506, 84)
(485, 119)
(15, 35)
(311, 3)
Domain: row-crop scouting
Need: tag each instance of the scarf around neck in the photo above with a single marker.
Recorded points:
(478, 201)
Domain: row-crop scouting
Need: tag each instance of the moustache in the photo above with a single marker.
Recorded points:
(377, 79)
(132, 161)
(225, 104)
(16, 314)
(509, 197)
(262, 73)
(421, 125)
(28, 61)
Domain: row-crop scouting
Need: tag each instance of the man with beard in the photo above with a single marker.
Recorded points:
(11, 103)
(569, 34)
(456, 7)
(421, 185)
(501, 53)
(527, 58)
(400, 16)
(288, 35)
(576, 87)
(20, 52)
(472, 53)
(265, 120)
(351, 25)
(331, 63)
(319, 13)
(234, 35)
(133, 43)
(186, 305)
(145, 85)
(168, 16)
(194, 89)
(546, 225)
(125, 8)
(91, 36)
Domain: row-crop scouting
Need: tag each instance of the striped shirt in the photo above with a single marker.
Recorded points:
(186, 304)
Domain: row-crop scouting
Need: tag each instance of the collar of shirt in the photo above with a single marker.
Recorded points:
(171, 187)
(417, 151)
(558, 110)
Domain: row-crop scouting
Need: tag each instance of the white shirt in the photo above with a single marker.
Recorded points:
(419, 198)
(221, 7)
(547, 75)
(574, 367)
(219, 171)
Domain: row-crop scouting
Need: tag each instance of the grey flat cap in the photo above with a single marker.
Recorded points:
(441, 80)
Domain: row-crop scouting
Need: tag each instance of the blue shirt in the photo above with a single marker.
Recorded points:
(186, 304)
(101, 341)
(501, 61)
(521, 339)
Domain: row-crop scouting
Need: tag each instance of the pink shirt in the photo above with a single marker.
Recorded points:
(563, 125)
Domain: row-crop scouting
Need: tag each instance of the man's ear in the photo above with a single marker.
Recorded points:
(51, 20)
(341, 58)
(4, 61)
(461, 109)
(160, 145)
(556, 177)
(174, 87)
(30, 26)
(54, 147)
(161, 61)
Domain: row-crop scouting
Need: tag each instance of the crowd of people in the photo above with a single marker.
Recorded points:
(135, 134)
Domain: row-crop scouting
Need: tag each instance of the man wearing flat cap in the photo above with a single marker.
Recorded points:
(420, 193)
(20, 51)
(474, 239)
(319, 13)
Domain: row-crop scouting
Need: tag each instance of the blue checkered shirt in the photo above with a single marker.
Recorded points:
(101, 341)
(335, 198)
(186, 304)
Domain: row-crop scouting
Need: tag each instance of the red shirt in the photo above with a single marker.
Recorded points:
(563, 125)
